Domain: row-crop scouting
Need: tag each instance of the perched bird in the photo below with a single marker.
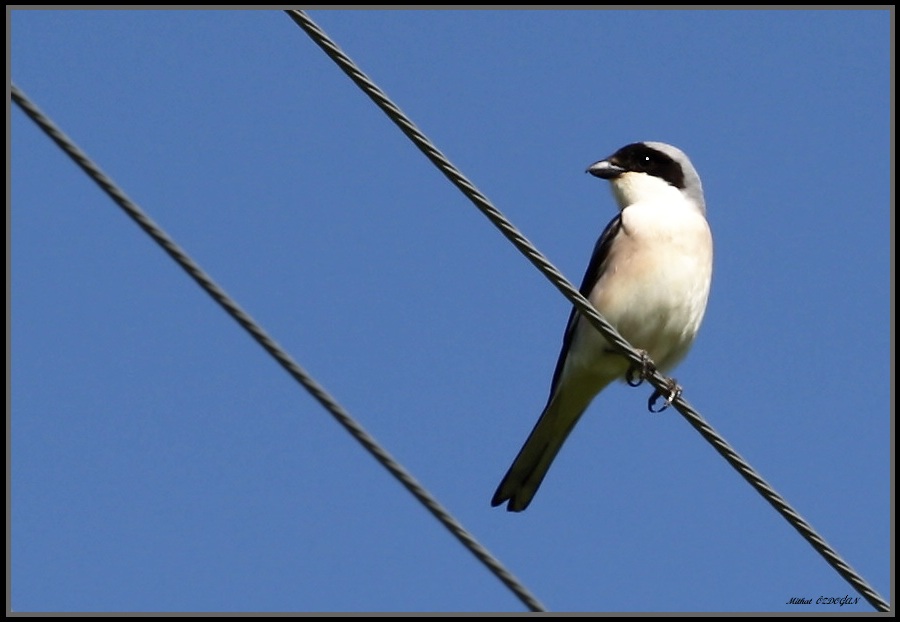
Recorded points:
(649, 277)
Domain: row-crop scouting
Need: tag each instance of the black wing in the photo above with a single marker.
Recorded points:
(594, 270)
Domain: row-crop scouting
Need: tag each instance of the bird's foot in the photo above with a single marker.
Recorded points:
(638, 372)
(671, 393)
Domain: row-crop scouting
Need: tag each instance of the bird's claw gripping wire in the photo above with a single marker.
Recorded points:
(672, 393)
(638, 372)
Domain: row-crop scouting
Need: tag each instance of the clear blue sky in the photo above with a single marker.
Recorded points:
(161, 461)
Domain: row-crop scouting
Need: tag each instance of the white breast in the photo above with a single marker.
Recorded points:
(656, 283)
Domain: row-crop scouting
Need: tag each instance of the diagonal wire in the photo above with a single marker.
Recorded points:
(269, 344)
(584, 307)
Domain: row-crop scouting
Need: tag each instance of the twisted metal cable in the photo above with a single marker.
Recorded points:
(659, 382)
(269, 344)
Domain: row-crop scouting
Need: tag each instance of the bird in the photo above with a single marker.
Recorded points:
(649, 276)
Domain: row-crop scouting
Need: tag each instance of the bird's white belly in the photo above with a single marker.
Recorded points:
(653, 291)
